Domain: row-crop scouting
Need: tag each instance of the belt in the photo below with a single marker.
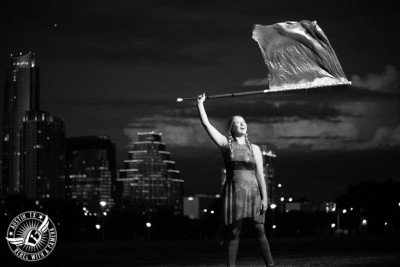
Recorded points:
(240, 165)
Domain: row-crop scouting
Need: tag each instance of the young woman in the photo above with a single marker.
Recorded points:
(244, 192)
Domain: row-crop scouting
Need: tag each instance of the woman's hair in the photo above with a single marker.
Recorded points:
(232, 138)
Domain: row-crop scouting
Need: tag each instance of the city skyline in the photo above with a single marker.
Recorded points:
(116, 69)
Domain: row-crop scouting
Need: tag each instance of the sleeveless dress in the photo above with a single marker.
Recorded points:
(240, 194)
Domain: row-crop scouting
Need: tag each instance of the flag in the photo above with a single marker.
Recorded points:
(298, 55)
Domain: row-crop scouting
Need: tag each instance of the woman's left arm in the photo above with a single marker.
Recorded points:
(260, 177)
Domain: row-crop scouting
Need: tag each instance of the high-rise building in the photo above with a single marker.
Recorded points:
(149, 180)
(91, 171)
(21, 94)
(42, 156)
(196, 206)
(269, 172)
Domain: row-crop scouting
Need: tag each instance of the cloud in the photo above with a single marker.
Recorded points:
(388, 81)
(186, 132)
(317, 134)
(281, 125)
(256, 82)
(387, 136)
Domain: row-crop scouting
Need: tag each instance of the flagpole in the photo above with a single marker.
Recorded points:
(269, 91)
(224, 95)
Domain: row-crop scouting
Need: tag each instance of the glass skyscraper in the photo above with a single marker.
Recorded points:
(149, 180)
(91, 171)
(42, 156)
(21, 94)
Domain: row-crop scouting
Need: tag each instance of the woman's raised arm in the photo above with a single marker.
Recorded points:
(215, 135)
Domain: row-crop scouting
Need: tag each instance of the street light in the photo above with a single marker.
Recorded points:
(103, 205)
(273, 207)
(148, 225)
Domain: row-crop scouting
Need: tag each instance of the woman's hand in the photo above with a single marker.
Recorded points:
(264, 206)
(201, 98)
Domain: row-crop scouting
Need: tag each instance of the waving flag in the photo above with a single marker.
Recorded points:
(298, 56)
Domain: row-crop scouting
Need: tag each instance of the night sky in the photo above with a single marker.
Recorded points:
(116, 67)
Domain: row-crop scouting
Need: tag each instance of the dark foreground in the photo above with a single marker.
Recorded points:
(334, 251)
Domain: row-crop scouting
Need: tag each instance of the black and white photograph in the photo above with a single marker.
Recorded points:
(199, 133)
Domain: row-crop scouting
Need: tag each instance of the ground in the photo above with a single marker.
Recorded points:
(333, 251)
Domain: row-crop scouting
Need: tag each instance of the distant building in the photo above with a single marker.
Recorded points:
(149, 180)
(309, 207)
(223, 177)
(91, 171)
(269, 172)
(42, 156)
(195, 206)
(21, 94)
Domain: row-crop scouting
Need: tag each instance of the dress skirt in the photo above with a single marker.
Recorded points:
(241, 194)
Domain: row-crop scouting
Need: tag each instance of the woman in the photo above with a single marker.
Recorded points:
(244, 193)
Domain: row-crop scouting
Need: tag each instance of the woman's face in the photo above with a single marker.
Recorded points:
(239, 126)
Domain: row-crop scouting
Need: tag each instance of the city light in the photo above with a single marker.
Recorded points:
(105, 213)
(212, 212)
(273, 226)
(273, 206)
(98, 226)
(385, 223)
(190, 198)
(344, 211)
(333, 225)
(282, 199)
(279, 185)
(290, 199)
(148, 224)
(364, 222)
(205, 210)
(103, 203)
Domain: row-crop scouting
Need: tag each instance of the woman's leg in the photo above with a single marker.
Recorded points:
(233, 242)
(264, 245)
